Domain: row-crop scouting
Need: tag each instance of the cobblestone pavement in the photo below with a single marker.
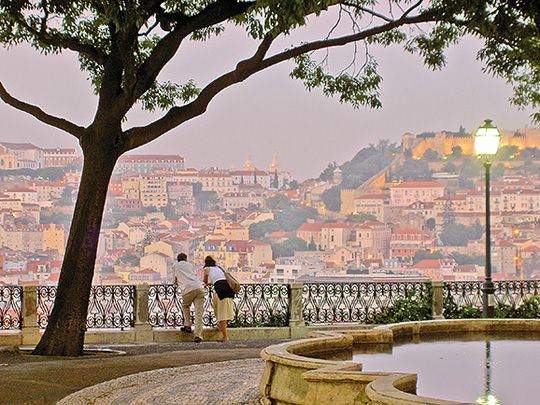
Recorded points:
(228, 382)
(195, 373)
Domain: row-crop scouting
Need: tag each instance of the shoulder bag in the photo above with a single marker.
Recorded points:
(232, 281)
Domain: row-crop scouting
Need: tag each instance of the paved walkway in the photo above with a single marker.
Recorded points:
(173, 373)
(229, 382)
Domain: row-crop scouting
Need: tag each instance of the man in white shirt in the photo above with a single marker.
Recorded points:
(192, 292)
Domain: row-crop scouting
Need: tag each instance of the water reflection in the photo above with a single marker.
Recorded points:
(464, 371)
(489, 398)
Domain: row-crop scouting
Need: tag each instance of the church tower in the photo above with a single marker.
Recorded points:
(248, 166)
(275, 166)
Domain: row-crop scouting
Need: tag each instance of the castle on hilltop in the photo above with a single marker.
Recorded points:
(444, 142)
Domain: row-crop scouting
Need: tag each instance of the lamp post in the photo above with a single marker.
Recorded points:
(486, 142)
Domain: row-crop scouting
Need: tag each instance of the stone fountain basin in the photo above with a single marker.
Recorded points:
(294, 375)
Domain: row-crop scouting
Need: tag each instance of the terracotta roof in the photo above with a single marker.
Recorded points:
(316, 226)
(418, 184)
(334, 225)
(532, 248)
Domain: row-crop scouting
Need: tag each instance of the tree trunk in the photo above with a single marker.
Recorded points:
(64, 335)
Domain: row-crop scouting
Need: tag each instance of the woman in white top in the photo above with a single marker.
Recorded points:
(223, 295)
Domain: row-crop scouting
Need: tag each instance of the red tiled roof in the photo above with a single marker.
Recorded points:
(418, 184)
(316, 226)
(532, 248)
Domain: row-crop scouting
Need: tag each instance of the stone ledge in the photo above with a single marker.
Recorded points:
(292, 378)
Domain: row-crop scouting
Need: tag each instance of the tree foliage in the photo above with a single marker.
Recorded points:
(288, 247)
(292, 218)
(360, 217)
(365, 164)
(332, 198)
(427, 255)
(258, 230)
(278, 202)
(413, 169)
(458, 234)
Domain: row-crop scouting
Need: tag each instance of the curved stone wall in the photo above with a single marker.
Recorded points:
(294, 376)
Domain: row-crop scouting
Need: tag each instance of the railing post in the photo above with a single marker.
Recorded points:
(438, 297)
(29, 325)
(143, 329)
(297, 324)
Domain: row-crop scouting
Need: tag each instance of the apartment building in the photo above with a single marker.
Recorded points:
(27, 155)
(406, 242)
(60, 157)
(235, 253)
(26, 195)
(408, 192)
(27, 238)
(54, 237)
(153, 190)
(311, 232)
(145, 164)
(250, 177)
(47, 190)
(371, 204)
(221, 183)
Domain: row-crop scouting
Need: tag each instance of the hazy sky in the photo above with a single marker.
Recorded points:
(269, 112)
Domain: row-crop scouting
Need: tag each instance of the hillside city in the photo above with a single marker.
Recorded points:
(413, 211)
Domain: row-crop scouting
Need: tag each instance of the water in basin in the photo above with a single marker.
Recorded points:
(467, 371)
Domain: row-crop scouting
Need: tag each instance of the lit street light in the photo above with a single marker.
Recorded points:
(486, 142)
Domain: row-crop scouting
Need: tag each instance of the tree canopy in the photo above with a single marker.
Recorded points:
(124, 46)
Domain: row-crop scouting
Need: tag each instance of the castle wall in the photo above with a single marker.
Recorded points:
(443, 143)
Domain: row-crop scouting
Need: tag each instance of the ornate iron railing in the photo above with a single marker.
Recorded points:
(513, 293)
(463, 293)
(352, 302)
(165, 306)
(10, 307)
(469, 293)
(262, 304)
(254, 304)
(110, 306)
(45, 302)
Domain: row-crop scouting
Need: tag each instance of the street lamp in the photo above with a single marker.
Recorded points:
(486, 142)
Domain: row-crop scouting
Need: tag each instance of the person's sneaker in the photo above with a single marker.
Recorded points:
(186, 329)
(197, 340)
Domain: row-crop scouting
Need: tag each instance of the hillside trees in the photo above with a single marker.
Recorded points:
(366, 163)
(124, 46)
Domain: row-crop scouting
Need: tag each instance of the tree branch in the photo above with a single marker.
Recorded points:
(139, 136)
(167, 47)
(368, 11)
(64, 42)
(42, 116)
